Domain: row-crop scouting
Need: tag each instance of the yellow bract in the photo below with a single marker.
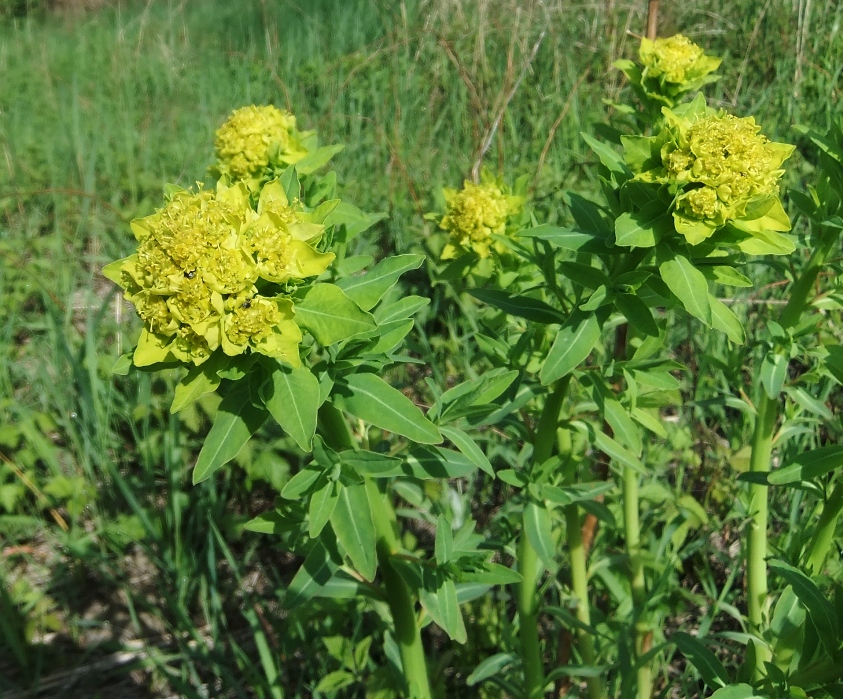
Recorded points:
(194, 277)
(250, 137)
(474, 214)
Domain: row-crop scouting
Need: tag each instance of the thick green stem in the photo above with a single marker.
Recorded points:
(579, 586)
(756, 563)
(528, 560)
(762, 445)
(632, 531)
(400, 599)
(528, 617)
(824, 535)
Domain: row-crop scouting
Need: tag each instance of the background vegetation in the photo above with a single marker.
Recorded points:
(118, 578)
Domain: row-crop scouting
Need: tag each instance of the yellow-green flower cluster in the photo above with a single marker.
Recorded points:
(676, 60)
(721, 170)
(474, 215)
(200, 261)
(670, 68)
(252, 138)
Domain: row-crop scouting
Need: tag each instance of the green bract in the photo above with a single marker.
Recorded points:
(208, 274)
(670, 68)
(721, 174)
(475, 214)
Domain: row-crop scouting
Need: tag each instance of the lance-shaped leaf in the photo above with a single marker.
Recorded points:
(617, 453)
(292, 398)
(351, 520)
(706, 663)
(688, 284)
(808, 465)
(723, 319)
(566, 238)
(353, 219)
(490, 667)
(644, 228)
(539, 530)
(821, 611)
(520, 306)
(200, 380)
(572, 345)
(331, 316)
(773, 373)
(370, 398)
(438, 596)
(367, 289)
(322, 504)
(236, 421)
(467, 446)
(316, 570)
(637, 313)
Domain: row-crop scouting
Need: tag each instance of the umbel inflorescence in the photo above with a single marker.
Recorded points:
(253, 138)
(669, 68)
(474, 215)
(720, 169)
(211, 272)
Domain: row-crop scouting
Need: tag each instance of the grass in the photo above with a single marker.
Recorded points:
(106, 546)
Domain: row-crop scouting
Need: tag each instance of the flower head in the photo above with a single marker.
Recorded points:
(252, 138)
(720, 169)
(195, 274)
(669, 68)
(474, 214)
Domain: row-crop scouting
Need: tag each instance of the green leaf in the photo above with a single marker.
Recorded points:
(569, 494)
(315, 572)
(688, 285)
(391, 335)
(572, 345)
(585, 275)
(370, 398)
(802, 398)
(366, 290)
(490, 667)
(370, 463)
(490, 574)
(808, 465)
(200, 380)
(723, 319)
(520, 306)
(566, 238)
(589, 216)
(773, 373)
(439, 597)
(611, 159)
(336, 680)
(645, 228)
(710, 668)
(736, 691)
(537, 525)
(302, 482)
(467, 446)
(406, 307)
(617, 453)
(444, 545)
(637, 313)
(353, 219)
(322, 504)
(435, 462)
(313, 161)
(821, 611)
(292, 398)
(622, 424)
(331, 316)
(236, 421)
(729, 276)
(352, 523)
